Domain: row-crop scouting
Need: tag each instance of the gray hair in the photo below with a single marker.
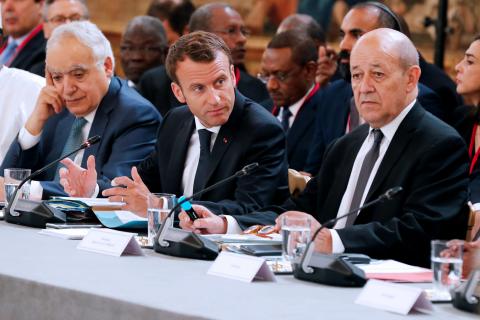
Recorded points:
(89, 35)
(48, 4)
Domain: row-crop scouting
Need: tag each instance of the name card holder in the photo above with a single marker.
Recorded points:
(241, 267)
(110, 242)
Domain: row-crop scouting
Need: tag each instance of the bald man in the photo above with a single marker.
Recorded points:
(399, 145)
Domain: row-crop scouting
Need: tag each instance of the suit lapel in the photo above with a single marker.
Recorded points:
(225, 135)
(101, 119)
(400, 141)
(301, 125)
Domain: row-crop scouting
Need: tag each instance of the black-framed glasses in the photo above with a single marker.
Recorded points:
(63, 19)
(233, 31)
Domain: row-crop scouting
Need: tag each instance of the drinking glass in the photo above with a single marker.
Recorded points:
(158, 207)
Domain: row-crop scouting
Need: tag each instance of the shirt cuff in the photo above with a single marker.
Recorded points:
(232, 225)
(27, 140)
(95, 192)
(36, 190)
(337, 244)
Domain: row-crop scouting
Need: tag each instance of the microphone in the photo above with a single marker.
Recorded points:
(41, 220)
(329, 269)
(186, 244)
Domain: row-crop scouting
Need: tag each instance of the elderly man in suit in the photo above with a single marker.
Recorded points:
(400, 145)
(288, 69)
(216, 134)
(82, 99)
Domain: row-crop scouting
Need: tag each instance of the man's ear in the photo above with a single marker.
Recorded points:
(232, 74)
(311, 69)
(413, 77)
(177, 91)
(108, 66)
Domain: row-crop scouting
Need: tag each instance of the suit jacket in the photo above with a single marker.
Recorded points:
(465, 118)
(154, 85)
(32, 56)
(333, 112)
(127, 124)
(427, 158)
(440, 82)
(251, 134)
(300, 135)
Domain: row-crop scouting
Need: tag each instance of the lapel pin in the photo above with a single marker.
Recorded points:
(225, 140)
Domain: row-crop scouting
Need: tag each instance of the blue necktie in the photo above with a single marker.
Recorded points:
(74, 140)
(7, 54)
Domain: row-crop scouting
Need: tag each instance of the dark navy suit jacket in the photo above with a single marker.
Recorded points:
(127, 124)
(333, 112)
(300, 135)
(251, 134)
(154, 85)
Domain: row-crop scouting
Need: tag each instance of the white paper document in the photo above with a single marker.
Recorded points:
(69, 234)
(394, 297)
(95, 202)
(110, 242)
(241, 267)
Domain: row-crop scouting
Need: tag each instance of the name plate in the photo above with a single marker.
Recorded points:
(110, 242)
(394, 297)
(241, 267)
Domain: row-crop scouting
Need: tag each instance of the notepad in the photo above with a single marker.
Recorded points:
(391, 270)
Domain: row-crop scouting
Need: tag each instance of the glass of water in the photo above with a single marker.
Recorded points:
(158, 207)
(295, 236)
(447, 259)
(13, 177)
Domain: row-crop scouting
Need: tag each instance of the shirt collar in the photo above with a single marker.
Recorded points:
(89, 117)
(199, 126)
(294, 108)
(390, 128)
(18, 40)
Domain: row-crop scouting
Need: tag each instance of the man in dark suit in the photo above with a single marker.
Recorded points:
(218, 133)
(83, 99)
(222, 20)
(25, 47)
(337, 113)
(288, 69)
(400, 145)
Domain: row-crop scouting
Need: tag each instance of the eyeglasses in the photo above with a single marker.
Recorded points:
(261, 231)
(280, 76)
(62, 19)
(233, 31)
(126, 49)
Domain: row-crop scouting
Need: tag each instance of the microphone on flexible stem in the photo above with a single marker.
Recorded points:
(330, 269)
(186, 244)
(39, 219)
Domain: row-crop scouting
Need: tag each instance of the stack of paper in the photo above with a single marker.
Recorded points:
(392, 270)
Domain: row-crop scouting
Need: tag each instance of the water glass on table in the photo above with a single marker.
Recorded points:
(447, 259)
(295, 236)
(12, 178)
(158, 207)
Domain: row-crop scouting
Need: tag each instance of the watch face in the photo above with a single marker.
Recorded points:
(266, 230)
(252, 229)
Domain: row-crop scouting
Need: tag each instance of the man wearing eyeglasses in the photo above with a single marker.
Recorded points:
(58, 12)
(288, 69)
(25, 46)
(143, 47)
(222, 20)
(82, 99)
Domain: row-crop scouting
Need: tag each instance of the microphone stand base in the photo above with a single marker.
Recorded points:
(331, 270)
(35, 214)
(187, 245)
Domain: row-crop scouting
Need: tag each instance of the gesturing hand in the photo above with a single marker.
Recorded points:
(77, 181)
(208, 222)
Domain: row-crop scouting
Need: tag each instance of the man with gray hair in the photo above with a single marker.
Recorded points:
(82, 99)
(58, 12)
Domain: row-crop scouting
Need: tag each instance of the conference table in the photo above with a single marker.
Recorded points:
(43, 277)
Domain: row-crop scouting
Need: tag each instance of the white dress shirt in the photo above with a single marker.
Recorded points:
(193, 156)
(388, 131)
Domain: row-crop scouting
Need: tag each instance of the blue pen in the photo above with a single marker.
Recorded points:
(187, 207)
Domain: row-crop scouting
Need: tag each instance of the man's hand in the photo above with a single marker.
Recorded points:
(134, 193)
(49, 102)
(76, 181)
(326, 65)
(323, 242)
(208, 222)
